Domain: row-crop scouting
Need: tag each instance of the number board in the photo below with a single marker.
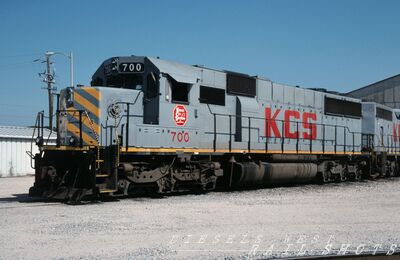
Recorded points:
(131, 67)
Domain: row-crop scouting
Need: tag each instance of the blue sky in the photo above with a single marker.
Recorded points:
(338, 45)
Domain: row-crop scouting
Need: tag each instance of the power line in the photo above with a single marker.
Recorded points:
(14, 105)
(16, 64)
(15, 116)
(20, 55)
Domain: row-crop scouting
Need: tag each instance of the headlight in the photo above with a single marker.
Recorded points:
(70, 97)
(72, 140)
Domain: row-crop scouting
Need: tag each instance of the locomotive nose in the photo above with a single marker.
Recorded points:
(83, 116)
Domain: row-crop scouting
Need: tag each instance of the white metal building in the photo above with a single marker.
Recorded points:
(15, 141)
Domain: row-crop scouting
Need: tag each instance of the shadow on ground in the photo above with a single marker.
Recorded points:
(23, 198)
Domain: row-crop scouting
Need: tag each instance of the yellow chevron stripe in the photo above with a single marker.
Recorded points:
(86, 138)
(86, 104)
(85, 120)
(92, 91)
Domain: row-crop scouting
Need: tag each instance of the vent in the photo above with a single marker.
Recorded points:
(342, 107)
(214, 96)
(240, 84)
(384, 114)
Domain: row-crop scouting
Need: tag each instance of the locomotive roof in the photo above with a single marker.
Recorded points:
(180, 72)
(192, 74)
(378, 105)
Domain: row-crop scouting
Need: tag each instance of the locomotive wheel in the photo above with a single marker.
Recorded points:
(343, 176)
(325, 176)
(358, 175)
(208, 181)
(390, 172)
(375, 175)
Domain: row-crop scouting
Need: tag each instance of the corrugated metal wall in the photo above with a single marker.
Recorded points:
(14, 161)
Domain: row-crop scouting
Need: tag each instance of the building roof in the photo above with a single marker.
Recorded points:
(370, 86)
(23, 132)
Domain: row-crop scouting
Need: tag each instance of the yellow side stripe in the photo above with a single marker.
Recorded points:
(86, 138)
(86, 104)
(65, 148)
(132, 149)
(194, 150)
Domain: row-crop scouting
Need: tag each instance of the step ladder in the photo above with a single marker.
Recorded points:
(102, 178)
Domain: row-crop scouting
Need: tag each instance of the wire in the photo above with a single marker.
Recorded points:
(20, 55)
(15, 105)
(14, 116)
(15, 64)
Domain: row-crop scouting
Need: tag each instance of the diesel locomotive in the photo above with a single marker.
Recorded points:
(146, 125)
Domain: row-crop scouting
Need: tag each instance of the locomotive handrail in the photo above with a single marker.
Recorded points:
(106, 127)
(280, 120)
(91, 127)
(127, 116)
(58, 143)
(323, 140)
(290, 121)
(390, 141)
(39, 126)
(346, 130)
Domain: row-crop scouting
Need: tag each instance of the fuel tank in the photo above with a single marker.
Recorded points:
(252, 174)
(299, 158)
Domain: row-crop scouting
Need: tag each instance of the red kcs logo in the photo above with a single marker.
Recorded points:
(180, 115)
(306, 130)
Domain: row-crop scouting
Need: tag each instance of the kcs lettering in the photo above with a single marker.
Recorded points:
(307, 129)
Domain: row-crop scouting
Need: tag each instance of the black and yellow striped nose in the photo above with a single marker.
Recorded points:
(86, 99)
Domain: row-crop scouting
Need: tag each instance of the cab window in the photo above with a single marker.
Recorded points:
(179, 91)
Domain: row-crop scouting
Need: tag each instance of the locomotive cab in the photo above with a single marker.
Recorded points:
(132, 73)
(133, 102)
(106, 131)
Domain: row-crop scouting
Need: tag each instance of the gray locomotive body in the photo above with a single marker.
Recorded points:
(147, 124)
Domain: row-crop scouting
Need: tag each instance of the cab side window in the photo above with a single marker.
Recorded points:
(179, 91)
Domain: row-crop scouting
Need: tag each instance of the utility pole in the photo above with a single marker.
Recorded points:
(49, 79)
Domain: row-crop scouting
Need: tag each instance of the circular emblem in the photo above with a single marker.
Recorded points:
(114, 110)
(180, 115)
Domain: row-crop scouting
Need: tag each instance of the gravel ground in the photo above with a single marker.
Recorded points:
(277, 222)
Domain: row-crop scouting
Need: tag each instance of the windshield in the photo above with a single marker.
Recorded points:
(129, 81)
